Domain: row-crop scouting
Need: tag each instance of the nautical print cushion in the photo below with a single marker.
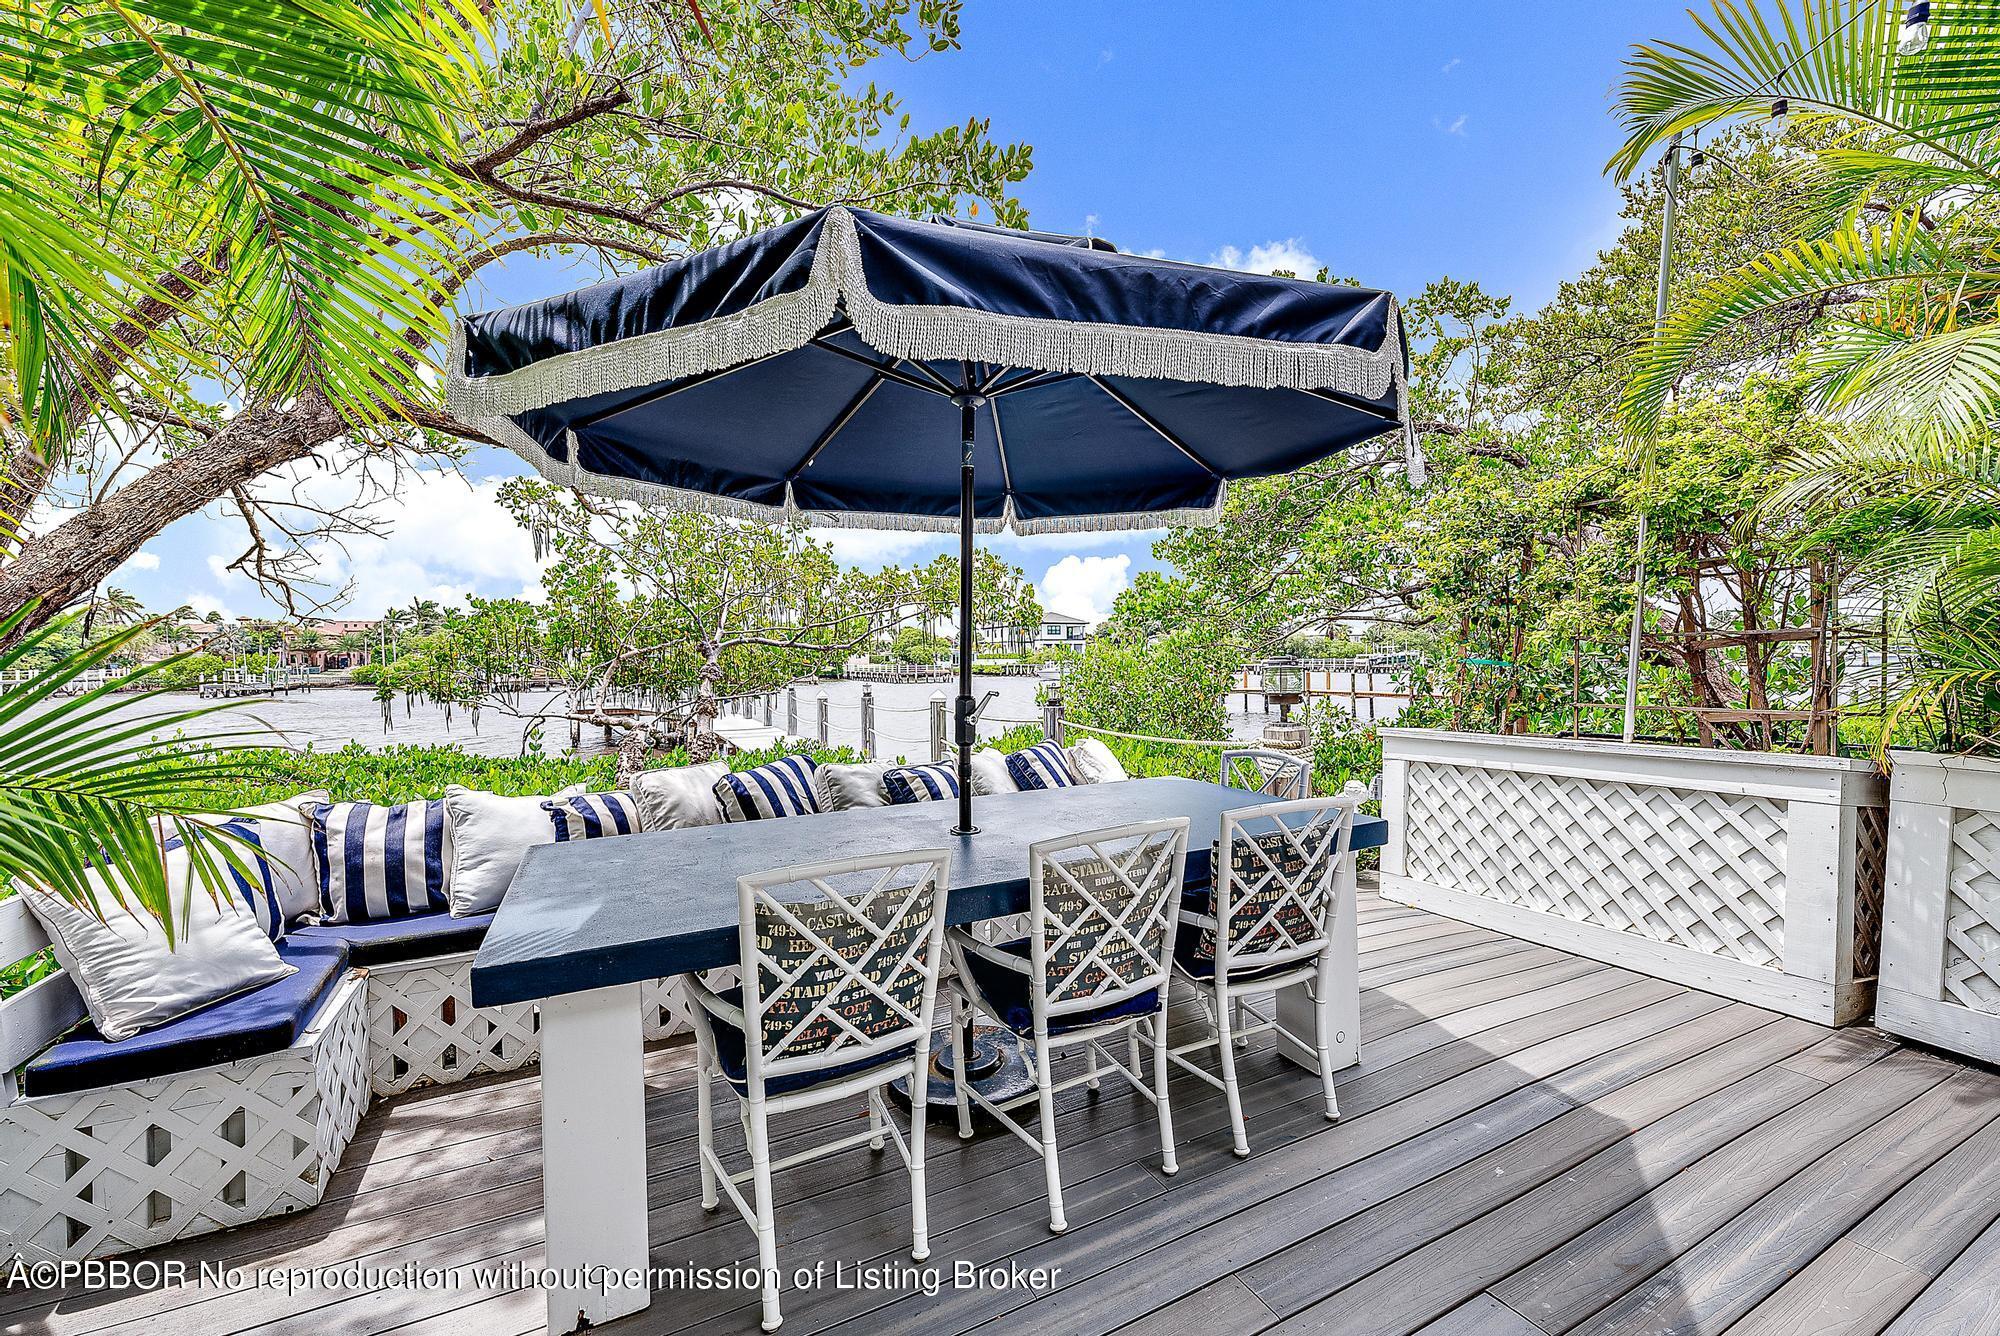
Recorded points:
(376, 862)
(1042, 766)
(244, 842)
(920, 783)
(586, 816)
(785, 787)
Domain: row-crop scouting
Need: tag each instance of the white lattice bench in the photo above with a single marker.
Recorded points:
(105, 1170)
(423, 1029)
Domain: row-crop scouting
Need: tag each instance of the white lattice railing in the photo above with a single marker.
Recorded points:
(1941, 920)
(1753, 875)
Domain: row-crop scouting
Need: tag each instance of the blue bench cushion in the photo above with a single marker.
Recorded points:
(729, 1051)
(249, 1025)
(393, 940)
(1008, 992)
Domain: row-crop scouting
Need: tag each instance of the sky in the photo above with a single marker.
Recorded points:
(1394, 143)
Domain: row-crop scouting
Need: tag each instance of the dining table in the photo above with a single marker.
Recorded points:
(586, 923)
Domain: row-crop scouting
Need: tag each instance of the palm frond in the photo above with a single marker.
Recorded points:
(306, 145)
(1900, 250)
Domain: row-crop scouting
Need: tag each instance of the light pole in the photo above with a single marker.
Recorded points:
(1639, 557)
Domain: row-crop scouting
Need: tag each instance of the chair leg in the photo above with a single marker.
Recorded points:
(1057, 1222)
(704, 1118)
(1242, 1021)
(767, 1230)
(1168, 1164)
(1090, 1055)
(1225, 1056)
(875, 1119)
(1323, 1044)
(961, 1012)
(920, 1219)
(1132, 1052)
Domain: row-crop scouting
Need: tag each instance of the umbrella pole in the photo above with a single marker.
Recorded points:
(967, 733)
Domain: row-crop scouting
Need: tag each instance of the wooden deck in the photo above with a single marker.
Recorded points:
(1532, 1144)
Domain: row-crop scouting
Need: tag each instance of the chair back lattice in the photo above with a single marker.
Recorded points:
(1273, 866)
(1101, 912)
(1262, 770)
(841, 959)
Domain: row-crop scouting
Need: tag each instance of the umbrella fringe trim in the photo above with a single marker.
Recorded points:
(565, 473)
(788, 322)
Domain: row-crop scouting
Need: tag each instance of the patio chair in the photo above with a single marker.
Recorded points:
(1263, 770)
(1095, 964)
(1266, 923)
(840, 965)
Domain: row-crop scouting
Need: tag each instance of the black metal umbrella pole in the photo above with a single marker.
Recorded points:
(967, 733)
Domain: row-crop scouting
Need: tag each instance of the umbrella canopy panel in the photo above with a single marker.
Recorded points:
(799, 372)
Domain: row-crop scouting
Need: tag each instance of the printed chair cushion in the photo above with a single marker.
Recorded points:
(129, 976)
(1290, 925)
(489, 834)
(920, 783)
(1010, 998)
(592, 816)
(249, 1025)
(729, 1052)
(1042, 766)
(375, 862)
(788, 786)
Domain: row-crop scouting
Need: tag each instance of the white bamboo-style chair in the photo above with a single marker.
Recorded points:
(1266, 924)
(1263, 770)
(1096, 963)
(840, 964)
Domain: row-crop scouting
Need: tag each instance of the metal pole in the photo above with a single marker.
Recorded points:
(968, 404)
(1639, 556)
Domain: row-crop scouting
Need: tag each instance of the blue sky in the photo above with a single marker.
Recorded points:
(1392, 142)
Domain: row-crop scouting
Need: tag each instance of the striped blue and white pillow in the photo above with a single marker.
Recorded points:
(586, 816)
(1042, 766)
(785, 787)
(377, 863)
(257, 891)
(920, 783)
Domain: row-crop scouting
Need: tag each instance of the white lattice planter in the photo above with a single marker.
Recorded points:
(423, 1029)
(1749, 874)
(1941, 922)
(122, 1167)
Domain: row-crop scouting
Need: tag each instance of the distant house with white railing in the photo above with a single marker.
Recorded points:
(1055, 628)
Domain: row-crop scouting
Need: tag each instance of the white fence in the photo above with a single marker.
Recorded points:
(1752, 875)
(1941, 932)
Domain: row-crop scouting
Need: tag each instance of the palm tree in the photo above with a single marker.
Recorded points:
(1897, 240)
(267, 132)
(425, 615)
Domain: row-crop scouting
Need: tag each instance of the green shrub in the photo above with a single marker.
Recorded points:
(181, 674)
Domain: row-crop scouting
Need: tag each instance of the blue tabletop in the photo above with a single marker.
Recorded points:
(592, 913)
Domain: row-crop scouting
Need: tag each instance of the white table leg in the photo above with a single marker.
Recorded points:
(594, 1155)
(1295, 1008)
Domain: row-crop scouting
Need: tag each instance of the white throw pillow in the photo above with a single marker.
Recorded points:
(989, 773)
(286, 835)
(1094, 763)
(678, 795)
(844, 786)
(129, 978)
(489, 836)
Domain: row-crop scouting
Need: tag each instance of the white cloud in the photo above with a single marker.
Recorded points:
(1454, 127)
(1289, 254)
(1085, 586)
(218, 569)
(202, 605)
(143, 561)
(1452, 64)
(446, 539)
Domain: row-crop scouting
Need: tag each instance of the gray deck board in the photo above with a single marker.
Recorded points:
(1532, 1144)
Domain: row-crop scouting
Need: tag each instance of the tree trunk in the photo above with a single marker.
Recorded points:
(703, 742)
(58, 567)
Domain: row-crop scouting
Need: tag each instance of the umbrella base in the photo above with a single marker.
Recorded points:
(998, 1070)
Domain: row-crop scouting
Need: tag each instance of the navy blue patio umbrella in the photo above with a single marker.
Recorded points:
(855, 369)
